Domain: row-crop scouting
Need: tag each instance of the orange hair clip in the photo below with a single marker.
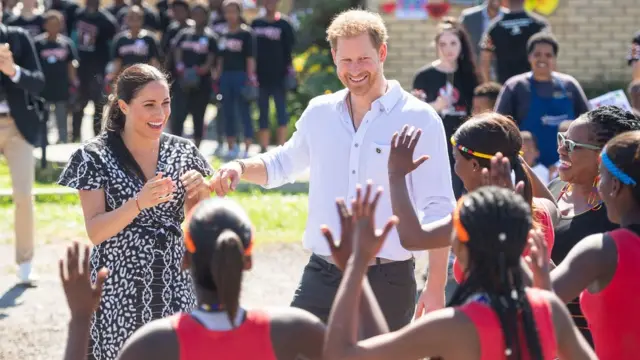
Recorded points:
(462, 233)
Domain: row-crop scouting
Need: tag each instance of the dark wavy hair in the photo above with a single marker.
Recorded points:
(126, 88)
(467, 58)
(498, 222)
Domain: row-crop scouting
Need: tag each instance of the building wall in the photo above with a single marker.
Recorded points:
(594, 37)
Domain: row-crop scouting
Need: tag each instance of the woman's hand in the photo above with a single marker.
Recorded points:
(403, 145)
(500, 174)
(156, 191)
(342, 251)
(194, 184)
(83, 297)
(367, 238)
(538, 260)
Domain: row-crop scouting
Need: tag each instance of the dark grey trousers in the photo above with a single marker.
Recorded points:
(394, 285)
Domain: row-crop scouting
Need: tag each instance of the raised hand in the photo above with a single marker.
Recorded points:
(367, 238)
(342, 251)
(500, 174)
(538, 260)
(156, 191)
(194, 184)
(83, 297)
(226, 179)
(403, 145)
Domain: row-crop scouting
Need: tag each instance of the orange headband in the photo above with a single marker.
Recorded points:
(462, 233)
(191, 246)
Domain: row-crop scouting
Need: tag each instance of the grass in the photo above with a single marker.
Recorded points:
(277, 218)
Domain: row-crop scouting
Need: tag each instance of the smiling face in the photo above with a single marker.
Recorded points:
(449, 46)
(579, 166)
(148, 111)
(542, 59)
(359, 63)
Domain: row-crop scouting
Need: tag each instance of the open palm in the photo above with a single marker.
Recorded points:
(368, 239)
(403, 146)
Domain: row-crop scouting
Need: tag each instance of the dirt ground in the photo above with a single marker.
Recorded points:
(33, 321)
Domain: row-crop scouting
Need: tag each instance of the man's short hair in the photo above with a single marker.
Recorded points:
(352, 23)
(53, 14)
(490, 90)
(528, 136)
(543, 37)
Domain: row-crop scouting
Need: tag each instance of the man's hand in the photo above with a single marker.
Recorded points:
(7, 66)
(226, 179)
(431, 298)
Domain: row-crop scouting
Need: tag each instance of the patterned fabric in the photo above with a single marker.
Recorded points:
(145, 282)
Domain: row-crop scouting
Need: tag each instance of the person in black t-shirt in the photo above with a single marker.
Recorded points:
(164, 15)
(634, 57)
(448, 83)
(181, 13)
(237, 72)
(151, 18)
(116, 7)
(93, 30)
(195, 51)
(506, 39)
(59, 60)
(68, 10)
(133, 46)
(30, 17)
(274, 45)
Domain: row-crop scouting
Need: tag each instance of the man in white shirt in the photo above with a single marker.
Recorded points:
(344, 138)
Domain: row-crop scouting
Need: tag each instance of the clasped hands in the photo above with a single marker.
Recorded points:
(160, 189)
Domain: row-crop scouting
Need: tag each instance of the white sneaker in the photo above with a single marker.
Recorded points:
(25, 275)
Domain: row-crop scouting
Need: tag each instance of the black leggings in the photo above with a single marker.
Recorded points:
(91, 83)
(192, 102)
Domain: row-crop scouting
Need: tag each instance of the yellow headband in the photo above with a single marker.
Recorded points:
(474, 153)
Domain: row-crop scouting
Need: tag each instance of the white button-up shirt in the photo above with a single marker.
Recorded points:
(340, 157)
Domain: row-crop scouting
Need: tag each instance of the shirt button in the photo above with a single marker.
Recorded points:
(356, 145)
(353, 171)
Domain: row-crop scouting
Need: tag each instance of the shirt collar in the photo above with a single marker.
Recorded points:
(385, 103)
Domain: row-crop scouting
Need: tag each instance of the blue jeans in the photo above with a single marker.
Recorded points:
(231, 85)
(279, 98)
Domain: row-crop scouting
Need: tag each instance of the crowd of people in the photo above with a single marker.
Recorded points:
(531, 191)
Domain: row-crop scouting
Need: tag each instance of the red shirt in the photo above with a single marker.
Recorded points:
(249, 341)
(613, 314)
(491, 335)
(544, 221)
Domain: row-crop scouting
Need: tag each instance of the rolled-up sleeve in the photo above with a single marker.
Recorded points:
(431, 182)
(285, 163)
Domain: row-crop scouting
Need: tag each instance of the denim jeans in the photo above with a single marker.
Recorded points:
(231, 85)
(279, 98)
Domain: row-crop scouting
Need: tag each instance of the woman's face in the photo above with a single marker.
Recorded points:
(231, 13)
(135, 21)
(449, 46)
(467, 170)
(199, 17)
(148, 112)
(29, 4)
(579, 166)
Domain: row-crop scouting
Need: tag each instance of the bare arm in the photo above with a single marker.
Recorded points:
(251, 67)
(77, 338)
(156, 340)
(586, 263)
(102, 225)
(486, 58)
(414, 236)
(571, 344)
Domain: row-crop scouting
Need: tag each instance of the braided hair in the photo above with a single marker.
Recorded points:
(624, 152)
(497, 222)
(609, 121)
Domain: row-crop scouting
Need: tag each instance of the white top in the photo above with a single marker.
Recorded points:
(339, 158)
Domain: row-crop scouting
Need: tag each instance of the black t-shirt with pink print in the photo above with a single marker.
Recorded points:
(55, 56)
(131, 50)
(196, 47)
(236, 48)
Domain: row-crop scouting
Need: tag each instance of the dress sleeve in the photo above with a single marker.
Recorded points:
(83, 171)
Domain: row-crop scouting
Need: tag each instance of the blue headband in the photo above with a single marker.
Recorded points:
(615, 170)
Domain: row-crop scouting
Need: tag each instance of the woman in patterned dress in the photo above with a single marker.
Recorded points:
(135, 184)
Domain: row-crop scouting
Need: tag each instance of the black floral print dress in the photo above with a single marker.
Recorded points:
(145, 282)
